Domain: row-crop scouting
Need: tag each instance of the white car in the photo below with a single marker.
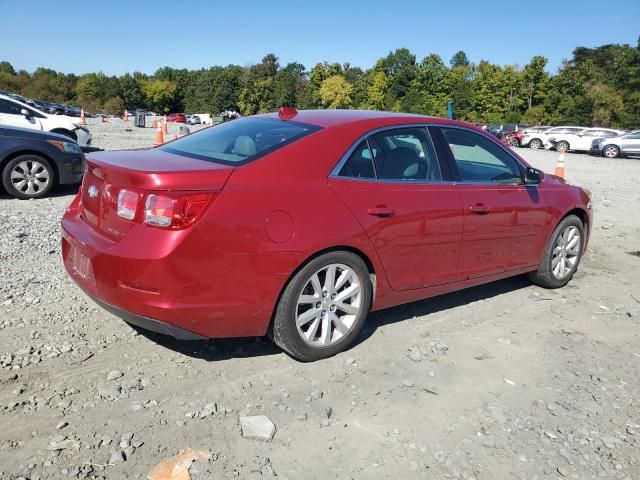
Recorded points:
(578, 141)
(14, 113)
(536, 139)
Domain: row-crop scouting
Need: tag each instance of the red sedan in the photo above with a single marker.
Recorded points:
(177, 118)
(298, 224)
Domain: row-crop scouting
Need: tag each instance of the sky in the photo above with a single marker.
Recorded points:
(117, 36)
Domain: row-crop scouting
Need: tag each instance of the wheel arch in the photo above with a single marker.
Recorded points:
(17, 153)
(66, 132)
(336, 248)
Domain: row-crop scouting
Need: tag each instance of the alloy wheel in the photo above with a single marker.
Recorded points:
(535, 144)
(566, 252)
(29, 177)
(611, 152)
(328, 306)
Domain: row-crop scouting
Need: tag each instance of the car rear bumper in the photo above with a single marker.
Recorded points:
(175, 281)
(149, 323)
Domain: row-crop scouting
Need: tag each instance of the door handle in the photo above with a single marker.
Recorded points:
(381, 211)
(479, 209)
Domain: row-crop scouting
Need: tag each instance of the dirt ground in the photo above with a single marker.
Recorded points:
(502, 381)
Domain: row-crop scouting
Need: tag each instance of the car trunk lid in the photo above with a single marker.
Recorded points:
(141, 171)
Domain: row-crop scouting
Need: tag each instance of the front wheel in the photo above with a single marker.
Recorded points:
(561, 255)
(611, 151)
(562, 146)
(323, 307)
(513, 142)
(535, 144)
(28, 176)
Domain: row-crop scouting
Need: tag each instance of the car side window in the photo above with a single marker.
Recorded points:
(405, 154)
(479, 160)
(8, 107)
(634, 136)
(359, 164)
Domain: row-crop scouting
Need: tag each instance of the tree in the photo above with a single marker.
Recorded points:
(335, 92)
(160, 94)
(378, 89)
(114, 106)
(459, 59)
(132, 93)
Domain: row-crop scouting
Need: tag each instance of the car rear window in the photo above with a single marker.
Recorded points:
(240, 141)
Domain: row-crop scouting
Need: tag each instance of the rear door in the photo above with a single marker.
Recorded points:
(503, 218)
(395, 187)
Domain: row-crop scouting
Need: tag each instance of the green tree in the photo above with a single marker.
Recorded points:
(335, 92)
(114, 106)
(459, 59)
(378, 90)
(160, 94)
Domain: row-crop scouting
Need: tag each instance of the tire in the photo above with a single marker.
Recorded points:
(562, 145)
(513, 142)
(35, 171)
(66, 133)
(556, 257)
(535, 144)
(300, 309)
(611, 151)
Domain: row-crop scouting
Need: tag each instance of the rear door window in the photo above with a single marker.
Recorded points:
(405, 154)
(240, 141)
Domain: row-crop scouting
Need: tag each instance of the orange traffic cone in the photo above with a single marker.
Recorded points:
(164, 125)
(83, 121)
(159, 136)
(560, 165)
(126, 116)
(154, 122)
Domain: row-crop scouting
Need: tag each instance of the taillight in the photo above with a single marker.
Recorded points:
(127, 204)
(175, 210)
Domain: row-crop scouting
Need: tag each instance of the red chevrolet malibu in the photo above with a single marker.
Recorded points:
(298, 224)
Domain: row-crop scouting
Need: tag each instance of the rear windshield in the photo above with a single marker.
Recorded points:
(240, 141)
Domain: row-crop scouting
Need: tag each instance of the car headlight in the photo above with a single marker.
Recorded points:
(68, 147)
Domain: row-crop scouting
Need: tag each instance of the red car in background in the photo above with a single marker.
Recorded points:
(513, 139)
(177, 118)
(298, 224)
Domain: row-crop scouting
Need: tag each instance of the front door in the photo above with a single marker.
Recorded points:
(393, 184)
(10, 116)
(503, 219)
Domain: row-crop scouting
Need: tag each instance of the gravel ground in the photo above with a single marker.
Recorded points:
(502, 381)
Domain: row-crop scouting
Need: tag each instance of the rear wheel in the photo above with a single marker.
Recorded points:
(562, 254)
(323, 307)
(611, 151)
(28, 176)
(535, 144)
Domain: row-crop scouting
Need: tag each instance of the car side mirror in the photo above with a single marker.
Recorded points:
(26, 113)
(533, 176)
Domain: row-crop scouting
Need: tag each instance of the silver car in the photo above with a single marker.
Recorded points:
(193, 120)
(625, 144)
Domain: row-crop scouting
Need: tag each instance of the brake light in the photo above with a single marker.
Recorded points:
(127, 204)
(175, 210)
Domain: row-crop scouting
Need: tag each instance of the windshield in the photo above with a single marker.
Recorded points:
(240, 141)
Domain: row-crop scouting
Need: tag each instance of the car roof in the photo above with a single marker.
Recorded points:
(335, 118)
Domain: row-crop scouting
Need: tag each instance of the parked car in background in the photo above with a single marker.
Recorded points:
(14, 113)
(513, 139)
(499, 130)
(298, 224)
(193, 120)
(537, 139)
(621, 145)
(530, 133)
(578, 141)
(177, 117)
(33, 162)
